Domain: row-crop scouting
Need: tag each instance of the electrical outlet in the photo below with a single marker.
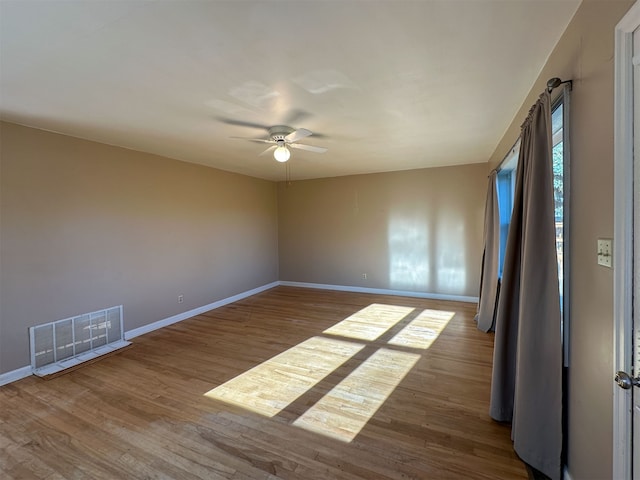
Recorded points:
(364, 276)
(180, 298)
(605, 252)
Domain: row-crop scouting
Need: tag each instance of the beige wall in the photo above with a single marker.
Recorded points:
(585, 54)
(86, 226)
(418, 230)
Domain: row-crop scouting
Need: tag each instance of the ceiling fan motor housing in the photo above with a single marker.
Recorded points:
(278, 132)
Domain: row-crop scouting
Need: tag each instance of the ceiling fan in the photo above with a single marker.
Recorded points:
(282, 139)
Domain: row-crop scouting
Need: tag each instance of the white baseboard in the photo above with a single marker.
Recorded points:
(15, 375)
(128, 335)
(24, 372)
(382, 291)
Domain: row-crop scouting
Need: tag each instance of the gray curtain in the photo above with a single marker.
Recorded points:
(489, 283)
(526, 387)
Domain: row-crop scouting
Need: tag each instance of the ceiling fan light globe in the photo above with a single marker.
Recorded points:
(281, 154)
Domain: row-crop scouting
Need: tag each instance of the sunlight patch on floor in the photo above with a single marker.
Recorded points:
(269, 387)
(272, 386)
(370, 322)
(347, 408)
(423, 330)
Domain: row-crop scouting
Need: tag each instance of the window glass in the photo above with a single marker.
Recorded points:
(506, 185)
(562, 197)
(558, 189)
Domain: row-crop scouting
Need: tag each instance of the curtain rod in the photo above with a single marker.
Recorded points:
(552, 83)
(556, 82)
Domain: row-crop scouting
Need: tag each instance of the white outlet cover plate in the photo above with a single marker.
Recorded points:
(605, 252)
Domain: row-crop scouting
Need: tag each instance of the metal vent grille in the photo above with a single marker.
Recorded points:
(58, 345)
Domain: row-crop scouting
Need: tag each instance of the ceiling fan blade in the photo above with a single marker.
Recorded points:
(319, 135)
(296, 117)
(270, 149)
(297, 135)
(309, 148)
(240, 123)
(257, 140)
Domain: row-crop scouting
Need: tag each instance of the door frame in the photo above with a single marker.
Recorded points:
(623, 240)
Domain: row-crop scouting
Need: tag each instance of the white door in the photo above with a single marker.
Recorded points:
(626, 252)
(636, 249)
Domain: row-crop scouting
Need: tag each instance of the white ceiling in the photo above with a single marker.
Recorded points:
(391, 85)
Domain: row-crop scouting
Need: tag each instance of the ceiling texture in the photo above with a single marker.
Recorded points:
(384, 85)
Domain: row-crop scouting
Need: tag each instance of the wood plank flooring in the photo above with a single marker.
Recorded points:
(288, 384)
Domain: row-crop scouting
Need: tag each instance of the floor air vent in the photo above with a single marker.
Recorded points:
(66, 343)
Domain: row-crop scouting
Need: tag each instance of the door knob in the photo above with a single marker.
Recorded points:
(624, 380)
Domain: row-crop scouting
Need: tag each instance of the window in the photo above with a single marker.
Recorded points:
(558, 187)
(560, 152)
(506, 186)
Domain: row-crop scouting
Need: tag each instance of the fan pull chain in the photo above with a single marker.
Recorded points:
(287, 174)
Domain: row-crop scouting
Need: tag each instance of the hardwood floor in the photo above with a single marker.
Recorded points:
(291, 383)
